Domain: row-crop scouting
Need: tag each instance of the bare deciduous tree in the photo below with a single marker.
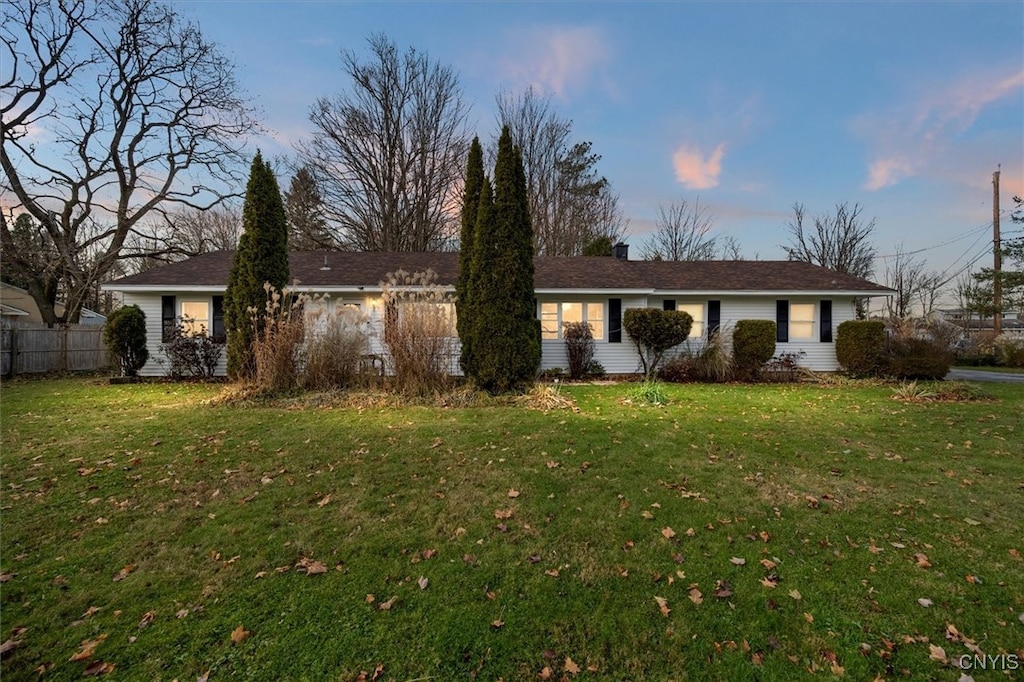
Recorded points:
(682, 232)
(113, 112)
(184, 233)
(840, 241)
(388, 153)
(570, 205)
(904, 275)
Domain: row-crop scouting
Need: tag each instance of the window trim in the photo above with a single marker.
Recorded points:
(599, 327)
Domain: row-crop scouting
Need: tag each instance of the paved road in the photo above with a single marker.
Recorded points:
(978, 375)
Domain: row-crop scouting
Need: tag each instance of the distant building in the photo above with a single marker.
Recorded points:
(18, 308)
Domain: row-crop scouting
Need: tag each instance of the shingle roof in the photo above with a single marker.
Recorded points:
(354, 269)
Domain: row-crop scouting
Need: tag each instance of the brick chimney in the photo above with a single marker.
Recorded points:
(621, 251)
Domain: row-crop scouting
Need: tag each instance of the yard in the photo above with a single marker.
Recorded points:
(740, 532)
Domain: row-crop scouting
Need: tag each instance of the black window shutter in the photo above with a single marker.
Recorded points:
(168, 316)
(782, 321)
(668, 304)
(825, 332)
(614, 320)
(714, 317)
(217, 324)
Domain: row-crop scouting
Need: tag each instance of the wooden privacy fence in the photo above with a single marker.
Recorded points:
(35, 349)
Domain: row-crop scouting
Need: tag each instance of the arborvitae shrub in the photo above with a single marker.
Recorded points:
(914, 358)
(753, 344)
(654, 331)
(125, 338)
(860, 347)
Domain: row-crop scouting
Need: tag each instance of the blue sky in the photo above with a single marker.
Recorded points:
(904, 107)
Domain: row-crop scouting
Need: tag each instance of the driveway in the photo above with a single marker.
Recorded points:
(978, 375)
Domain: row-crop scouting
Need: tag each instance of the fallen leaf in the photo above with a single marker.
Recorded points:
(98, 668)
(239, 634)
(922, 560)
(386, 605)
(497, 624)
(513, 493)
(809, 617)
(647, 515)
(324, 501)
(971, 522)
(723, 590)
(695, 596)
(10, 645)
(422, 582)
(181, 614)
(738, 561)
(769, 564)
(571, 667)
(91, 611)
(552, 464)
(503, 513)
(795, 595)
(764, 536)
(770, 582)
(147, 618)
(1015, 553)
(123, 573)
(544, 674)
(553, 572)
(663, 606)
(259, 575)
(668, 533)
(4, 577)
(690, 532)
(937, 653)
(925, 602)
(428, 554)
(87, 649)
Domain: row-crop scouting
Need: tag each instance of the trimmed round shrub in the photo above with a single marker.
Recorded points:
(125, 338)
(654, 331)
(913, 358)
(860, 347)
(753, 344)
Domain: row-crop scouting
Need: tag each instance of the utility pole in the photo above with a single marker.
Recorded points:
(997, 261)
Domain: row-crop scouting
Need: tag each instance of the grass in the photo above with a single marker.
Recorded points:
(789, 529)
(990, 368)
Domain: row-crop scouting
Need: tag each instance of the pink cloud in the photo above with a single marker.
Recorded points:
(923, 134)
(695, 170)
(886, 172)
(556, 59)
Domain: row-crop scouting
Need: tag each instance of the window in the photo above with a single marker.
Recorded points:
(696, 311)
(554, 316)
(195, 317)
(801, 320)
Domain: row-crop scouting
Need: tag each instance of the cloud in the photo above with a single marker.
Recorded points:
(557, 59)
(924, 134)
(695, 170)
(886, 172)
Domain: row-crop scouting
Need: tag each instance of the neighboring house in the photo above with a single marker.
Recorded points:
(806, 301)
(17, 307)
(974, 323)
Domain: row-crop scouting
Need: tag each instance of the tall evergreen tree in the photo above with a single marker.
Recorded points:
(304, 208)
(506, 333)
(262, 257)
(475, 181)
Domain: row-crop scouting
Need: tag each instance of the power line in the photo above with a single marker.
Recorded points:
(978, 229)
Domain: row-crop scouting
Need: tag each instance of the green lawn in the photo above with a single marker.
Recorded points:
(740, 532)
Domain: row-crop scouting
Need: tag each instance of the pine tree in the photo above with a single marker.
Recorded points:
(505, 331)
(304, 208)
(262, 257)
(475, 181)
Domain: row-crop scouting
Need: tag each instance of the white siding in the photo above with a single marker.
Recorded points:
(616, 358)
